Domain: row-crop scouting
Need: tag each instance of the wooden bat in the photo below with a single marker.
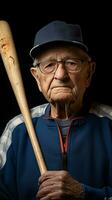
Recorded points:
(10, 60)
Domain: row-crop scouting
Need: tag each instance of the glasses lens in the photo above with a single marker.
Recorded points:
(48, 66)
(73, 65)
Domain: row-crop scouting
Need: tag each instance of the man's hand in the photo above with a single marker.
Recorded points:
(59, 185)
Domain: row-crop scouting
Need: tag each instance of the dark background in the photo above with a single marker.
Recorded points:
(26, 19)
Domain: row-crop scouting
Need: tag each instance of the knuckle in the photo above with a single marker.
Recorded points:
(60, 194)
(61, 185)
(64, 174)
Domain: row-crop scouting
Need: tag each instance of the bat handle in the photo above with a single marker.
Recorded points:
(35, 143)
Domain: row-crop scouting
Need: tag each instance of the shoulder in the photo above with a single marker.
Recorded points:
(12, 125)
(101, 110)
(100, 116)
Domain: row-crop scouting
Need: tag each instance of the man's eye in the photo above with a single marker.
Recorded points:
(51, 64)
(71, 62)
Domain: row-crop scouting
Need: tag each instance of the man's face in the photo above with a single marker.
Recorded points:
(63, 85)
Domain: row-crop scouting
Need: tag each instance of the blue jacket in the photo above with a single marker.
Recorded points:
(89, 156)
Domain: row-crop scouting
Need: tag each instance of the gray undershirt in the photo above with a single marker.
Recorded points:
(64, 125)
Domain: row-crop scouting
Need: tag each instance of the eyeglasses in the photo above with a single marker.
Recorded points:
(72, 65)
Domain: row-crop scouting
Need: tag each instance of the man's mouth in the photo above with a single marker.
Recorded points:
(61, 89)
(61, 86)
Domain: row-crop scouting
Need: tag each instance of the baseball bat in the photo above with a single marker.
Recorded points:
(11, 63)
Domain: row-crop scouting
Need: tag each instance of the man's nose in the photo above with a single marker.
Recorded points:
(61, 72)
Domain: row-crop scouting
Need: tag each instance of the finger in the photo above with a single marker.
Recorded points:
(53, 181)
(52, 174)
(55, 195)
(50, 188)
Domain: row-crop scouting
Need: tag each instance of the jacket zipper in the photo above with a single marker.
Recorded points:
(64, 147)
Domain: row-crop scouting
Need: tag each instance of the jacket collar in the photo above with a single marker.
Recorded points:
(76, 119)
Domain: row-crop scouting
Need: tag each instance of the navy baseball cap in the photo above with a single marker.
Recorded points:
(57, 32)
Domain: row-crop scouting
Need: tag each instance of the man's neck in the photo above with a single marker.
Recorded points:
(65, 110)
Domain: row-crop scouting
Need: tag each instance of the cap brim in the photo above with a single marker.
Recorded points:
(36, 49)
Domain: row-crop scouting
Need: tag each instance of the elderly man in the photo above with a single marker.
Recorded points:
(76, 144)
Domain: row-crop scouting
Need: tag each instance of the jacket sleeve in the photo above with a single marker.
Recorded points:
(8, 188)
(8, 182)
(3, 192)
(104, 193)
(92, 193)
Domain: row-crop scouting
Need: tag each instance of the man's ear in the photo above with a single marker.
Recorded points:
(90, 72)
(34, 73)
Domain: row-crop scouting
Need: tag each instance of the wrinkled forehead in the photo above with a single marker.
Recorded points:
(62, 51)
